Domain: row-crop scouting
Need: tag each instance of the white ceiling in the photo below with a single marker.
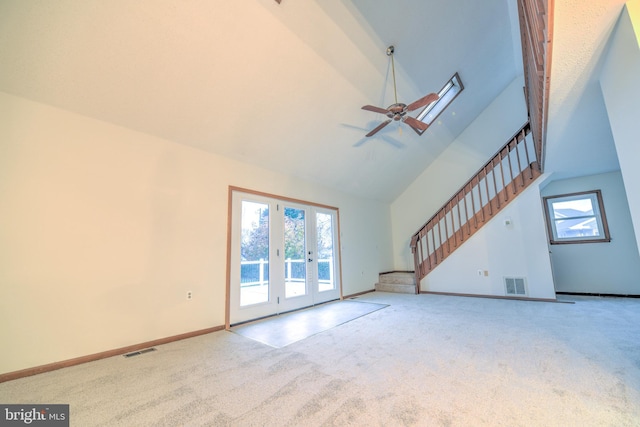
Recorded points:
(579, 139)
(281, 86)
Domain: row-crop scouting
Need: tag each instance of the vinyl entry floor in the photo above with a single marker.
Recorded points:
(282, 330)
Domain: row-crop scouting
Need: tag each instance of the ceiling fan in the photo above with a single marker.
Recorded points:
(398, 111)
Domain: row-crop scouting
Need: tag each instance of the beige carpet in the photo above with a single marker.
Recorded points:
(426, 360)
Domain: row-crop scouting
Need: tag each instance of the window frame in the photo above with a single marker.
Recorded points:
(598, 214)
(454, 85)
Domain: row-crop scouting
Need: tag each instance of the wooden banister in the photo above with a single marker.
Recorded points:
(488, 191)
(522, 156)
(536, 31)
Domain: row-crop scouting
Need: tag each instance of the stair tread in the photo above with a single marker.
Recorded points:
(398, 277)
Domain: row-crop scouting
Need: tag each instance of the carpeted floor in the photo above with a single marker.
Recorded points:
(426, 360)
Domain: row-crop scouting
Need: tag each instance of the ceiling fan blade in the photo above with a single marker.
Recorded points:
(375, 109)
(380, 126)
(415, 123)
(425, 100)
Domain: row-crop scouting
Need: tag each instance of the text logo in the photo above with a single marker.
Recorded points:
(34, 415)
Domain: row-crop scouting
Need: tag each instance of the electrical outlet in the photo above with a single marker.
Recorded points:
(189, 295)
(486, 273)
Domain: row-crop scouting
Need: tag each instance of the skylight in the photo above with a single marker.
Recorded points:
(447, 94)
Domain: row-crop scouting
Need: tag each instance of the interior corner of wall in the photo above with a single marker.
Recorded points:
(544, 180)
(633, 8)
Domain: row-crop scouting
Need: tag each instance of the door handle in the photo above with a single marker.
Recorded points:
(310, 260)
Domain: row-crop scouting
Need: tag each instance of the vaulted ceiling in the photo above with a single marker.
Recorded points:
(279, 85)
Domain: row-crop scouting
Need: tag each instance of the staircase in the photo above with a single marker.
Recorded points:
(512, 169)
(403, 282)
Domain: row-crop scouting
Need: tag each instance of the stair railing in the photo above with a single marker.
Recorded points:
(498, 182)
(536, 36)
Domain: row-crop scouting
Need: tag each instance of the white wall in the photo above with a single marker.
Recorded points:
(608, 268)
(633, 8)
(104, 230)
(515, 250)
(620, 83)
(481, 140)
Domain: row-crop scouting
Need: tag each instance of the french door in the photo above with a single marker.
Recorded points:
(283, 256)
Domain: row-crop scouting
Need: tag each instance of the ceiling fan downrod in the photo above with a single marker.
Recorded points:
(390, 50)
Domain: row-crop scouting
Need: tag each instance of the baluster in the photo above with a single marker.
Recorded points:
(426, 239)
(504, 184)
(416, 252)
(486, 184)
(518, 158)
(446, 229)
(459, 218)
(435, 248)
(495, 185)
(480, 197)
(440, 236)
(421, 252)
(473, 205)
(453, 225)
(466, 211)
(513, 182)
(526, 152)
(261, 273)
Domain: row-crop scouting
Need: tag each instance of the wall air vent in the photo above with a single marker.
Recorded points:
(139, 352)
(515, 286)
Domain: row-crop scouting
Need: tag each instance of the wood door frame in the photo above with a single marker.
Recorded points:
(233, 189)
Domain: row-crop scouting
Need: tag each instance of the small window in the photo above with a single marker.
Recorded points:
(447, 94)
(576, 218)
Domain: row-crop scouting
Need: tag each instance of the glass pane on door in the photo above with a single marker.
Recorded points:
(295, 260)
(254, 253)
(324, 228)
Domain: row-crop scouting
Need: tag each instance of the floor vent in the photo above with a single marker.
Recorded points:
(515, 286)
(137, 353)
